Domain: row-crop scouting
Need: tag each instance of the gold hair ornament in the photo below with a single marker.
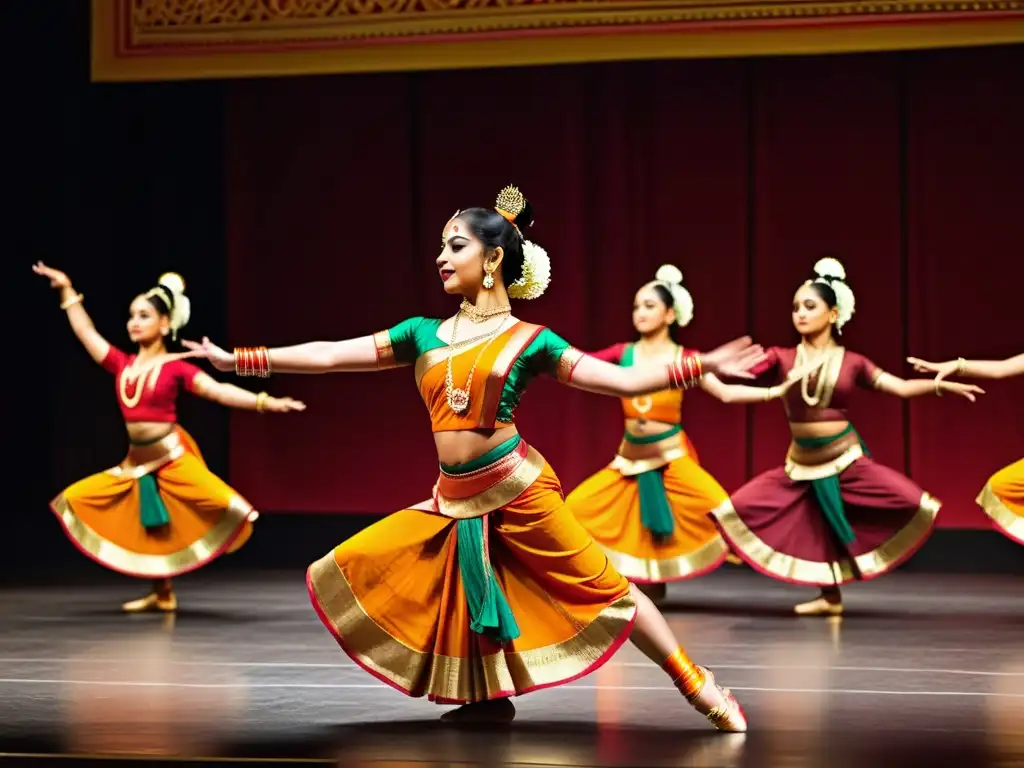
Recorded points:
(510, 204)
(536, 264)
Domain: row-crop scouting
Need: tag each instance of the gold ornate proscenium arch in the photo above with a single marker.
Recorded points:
(180, 39)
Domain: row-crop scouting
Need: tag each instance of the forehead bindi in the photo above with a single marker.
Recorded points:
(455, 229)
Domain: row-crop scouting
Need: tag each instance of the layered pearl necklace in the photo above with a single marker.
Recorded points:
(804, 357)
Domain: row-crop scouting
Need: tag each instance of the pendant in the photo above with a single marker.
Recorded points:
(458, 400)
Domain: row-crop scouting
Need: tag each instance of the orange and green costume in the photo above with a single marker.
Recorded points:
(490, 588)
(1002, 498)
(649, 508)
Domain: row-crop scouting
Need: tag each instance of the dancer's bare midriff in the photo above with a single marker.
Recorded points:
(462, 446)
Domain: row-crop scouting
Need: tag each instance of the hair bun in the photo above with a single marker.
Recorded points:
(525, 217)
(173, 282)
(181, 308)
(830, 268)
(669, 273)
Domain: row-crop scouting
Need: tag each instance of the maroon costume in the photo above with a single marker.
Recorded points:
(788, 522)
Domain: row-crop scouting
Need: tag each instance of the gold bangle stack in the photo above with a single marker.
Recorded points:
(961, 366)
(261, 402)
(68, 303)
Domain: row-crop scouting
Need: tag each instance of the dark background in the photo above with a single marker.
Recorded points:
(305, 208)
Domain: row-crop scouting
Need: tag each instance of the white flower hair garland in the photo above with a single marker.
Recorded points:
(682, 302)
(536, 273)
(831, 272)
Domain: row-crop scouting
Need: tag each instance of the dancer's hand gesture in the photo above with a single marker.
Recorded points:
(283, 405)
(942, 370)
(57, 278)
(964, 390)
(734, 359)
(221, 359)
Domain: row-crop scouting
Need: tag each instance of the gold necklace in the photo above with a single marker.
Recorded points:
(140, 376)
(479, 315)
(458, 399)
(803, 357)
(644, 403)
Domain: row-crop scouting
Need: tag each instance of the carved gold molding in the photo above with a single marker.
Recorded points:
(156, 39)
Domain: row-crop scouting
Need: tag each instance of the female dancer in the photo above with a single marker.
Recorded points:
(831, 515)
(160, 512)
(648, 509)
(1002, 498)
(490, 588)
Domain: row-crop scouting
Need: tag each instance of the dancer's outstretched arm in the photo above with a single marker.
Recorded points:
(230, 396)
(977, 369)
(358, 354)
(742, 394)
(71, 302)
(585, 372)
(907, 388)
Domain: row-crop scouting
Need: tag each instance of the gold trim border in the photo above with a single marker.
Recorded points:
(459, 680)
(797, 570)
(804, 472)
(644, 570)
(213, 544)
(501, 494)
(659, 454)
(1004, 518)
(552, 33)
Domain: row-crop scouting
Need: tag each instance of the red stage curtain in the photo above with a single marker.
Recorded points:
(741, 173)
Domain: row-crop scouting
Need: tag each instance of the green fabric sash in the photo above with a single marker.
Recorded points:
(152, 511)
(826, 489)
(655, 512)
(648, 439)
(490, 613)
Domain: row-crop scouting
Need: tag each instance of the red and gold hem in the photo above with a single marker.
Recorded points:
(794, 570)
(217, 541)
(641, 570)
(446, 679)
(1005, 519)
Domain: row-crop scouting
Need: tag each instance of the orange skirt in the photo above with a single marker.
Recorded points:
(1002, 498)
(393, 596)
(101, 514)
(608, 506)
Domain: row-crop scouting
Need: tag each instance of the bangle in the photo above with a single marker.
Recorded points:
(261, 402)
(252, 361)
(68, 303)
(938, 389)
(685, 372)
(961, 366)
(772, 392)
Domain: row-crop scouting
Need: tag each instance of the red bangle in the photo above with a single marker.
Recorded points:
(252, 361)
(685, 373)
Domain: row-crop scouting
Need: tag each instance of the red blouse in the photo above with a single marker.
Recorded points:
(160, 386)
(855, 371)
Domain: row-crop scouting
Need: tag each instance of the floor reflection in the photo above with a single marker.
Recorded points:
(918, 674)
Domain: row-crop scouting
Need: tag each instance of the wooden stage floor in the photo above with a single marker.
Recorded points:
(924, 670)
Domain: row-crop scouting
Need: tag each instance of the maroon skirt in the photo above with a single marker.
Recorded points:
(776, 525)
